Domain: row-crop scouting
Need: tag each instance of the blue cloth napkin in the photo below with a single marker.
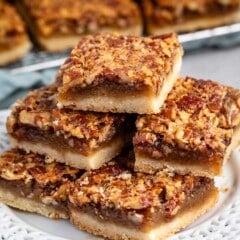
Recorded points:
(13, 87)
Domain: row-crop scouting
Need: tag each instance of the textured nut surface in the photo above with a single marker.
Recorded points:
(197, 115)
(79, 16)
(127, 60)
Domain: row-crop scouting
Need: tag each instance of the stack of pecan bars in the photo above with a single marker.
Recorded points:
(119, 142)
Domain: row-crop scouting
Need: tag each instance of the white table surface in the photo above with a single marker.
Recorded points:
(221, 65)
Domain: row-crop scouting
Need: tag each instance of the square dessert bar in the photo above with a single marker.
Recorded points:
(187, 15)
(81, 139)
(118, 203)
(58, 25)
(113, 73)
(196, 130)
(14, 42)
(34, 183)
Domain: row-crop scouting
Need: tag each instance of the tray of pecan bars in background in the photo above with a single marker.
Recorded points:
(55, 27)
(223, 36)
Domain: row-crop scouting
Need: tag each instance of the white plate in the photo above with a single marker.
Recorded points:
(222, 222)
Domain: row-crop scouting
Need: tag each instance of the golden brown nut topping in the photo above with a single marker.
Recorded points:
(126, 60)
(115, 187)
(81, 16)
(52, 178)
(163, 12)
(39, 110)
(198, 116)
(10, 22)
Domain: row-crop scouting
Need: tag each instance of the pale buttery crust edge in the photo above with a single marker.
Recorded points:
(77, 160)
(234, 143)
(16, 52)
(196, 24)
(150, 165)
(110, 230)
(131, 104)
(60, 43)
(29, 205)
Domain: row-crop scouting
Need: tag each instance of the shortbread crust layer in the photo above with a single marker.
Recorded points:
(16, 52)
(113, 73)
(195, 131)
(59, 43)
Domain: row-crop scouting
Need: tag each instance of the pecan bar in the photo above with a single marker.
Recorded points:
(81, 139)
(118, 203)
(184, 16)
(58, 25)
(120, 73)
(196, 130)
(34, 183)
(14, 42)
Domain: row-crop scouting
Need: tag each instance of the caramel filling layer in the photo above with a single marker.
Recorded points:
(182, 157)
(71, 144)
(33, 192)
(110, 89)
